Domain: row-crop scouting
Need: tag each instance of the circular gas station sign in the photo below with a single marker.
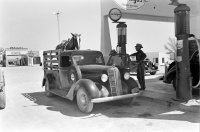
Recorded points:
(115, 14)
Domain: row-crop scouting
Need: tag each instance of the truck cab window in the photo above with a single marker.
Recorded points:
(65, 61)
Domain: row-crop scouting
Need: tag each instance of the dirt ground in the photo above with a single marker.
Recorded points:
(29, 110)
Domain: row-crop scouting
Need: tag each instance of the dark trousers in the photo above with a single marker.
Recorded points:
(140, 75)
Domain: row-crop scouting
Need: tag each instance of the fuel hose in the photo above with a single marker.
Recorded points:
(198, 84)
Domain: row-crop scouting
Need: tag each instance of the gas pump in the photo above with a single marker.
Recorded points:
(121, 31)
(182, 32)
(115, 15)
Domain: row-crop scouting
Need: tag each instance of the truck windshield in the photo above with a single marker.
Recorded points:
(89, 59)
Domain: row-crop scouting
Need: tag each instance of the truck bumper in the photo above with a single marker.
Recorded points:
(113, 98)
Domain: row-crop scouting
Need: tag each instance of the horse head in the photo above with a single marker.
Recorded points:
(75, 41)
(76, 35)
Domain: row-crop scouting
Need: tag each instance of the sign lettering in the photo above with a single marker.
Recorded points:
(115, 14)
(15, 53)
(130, 4)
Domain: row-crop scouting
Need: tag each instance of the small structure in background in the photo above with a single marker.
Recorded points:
(34, 58)
(19, 56)
(159, 59)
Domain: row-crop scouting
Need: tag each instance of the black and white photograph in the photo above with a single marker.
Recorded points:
(99, 66)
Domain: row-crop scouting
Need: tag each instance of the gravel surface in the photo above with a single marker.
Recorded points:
(29, 110)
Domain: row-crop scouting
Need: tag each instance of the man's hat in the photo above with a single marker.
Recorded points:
(113, 52)
(139, 45)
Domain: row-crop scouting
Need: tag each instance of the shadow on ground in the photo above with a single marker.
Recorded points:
(139, 108)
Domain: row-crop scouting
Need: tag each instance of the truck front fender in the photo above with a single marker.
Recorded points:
(132, 83)
(88, 85)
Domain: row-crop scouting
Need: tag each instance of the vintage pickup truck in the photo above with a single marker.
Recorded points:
(170, 76)
(83, 75)
(2, 90)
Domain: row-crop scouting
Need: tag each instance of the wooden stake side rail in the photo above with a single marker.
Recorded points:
(51, 59)
(52, 56)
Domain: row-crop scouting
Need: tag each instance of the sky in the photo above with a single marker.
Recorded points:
(31, 24)
(153, 35)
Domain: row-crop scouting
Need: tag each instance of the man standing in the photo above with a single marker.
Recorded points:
(140, 56)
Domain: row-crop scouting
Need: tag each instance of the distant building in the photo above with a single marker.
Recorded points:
(1, 55)
(159, 58)
(15, 56)
(35, 56)
(19, 56)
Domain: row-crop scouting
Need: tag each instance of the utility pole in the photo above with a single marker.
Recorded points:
(58, 24)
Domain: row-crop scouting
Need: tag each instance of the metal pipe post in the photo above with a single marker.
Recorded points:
(58, 24)
(183, 78)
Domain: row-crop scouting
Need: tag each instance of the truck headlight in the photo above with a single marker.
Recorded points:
(126, 76)
(104, 77)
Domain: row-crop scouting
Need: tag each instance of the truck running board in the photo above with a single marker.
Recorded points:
(113, 98)
(59, 92)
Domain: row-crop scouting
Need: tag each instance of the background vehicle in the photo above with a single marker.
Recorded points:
(170, 76)
(83, 75)
(149, 67)
(2, 90)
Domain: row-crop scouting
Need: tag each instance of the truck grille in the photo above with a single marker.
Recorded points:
(115, 81)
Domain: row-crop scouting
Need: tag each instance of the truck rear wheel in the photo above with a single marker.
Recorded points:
(84, 101)
(47, 93)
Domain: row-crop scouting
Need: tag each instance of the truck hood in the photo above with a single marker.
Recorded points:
(93, 72)
(92, 69)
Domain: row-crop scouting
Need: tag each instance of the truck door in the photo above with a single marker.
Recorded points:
(65, 64)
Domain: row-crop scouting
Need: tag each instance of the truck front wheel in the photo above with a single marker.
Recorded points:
(83, 101)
